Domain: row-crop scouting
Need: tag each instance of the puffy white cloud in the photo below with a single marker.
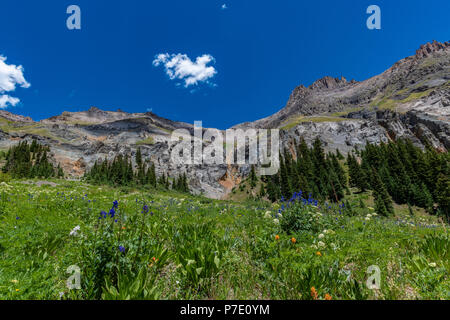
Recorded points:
(181, 67)
(224, 7)
(10, 77)
(6, 101)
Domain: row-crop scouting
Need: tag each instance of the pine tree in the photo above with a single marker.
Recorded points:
(253, 178)
(443, 195)
(138, 157)
(383, 202)
(286, 190)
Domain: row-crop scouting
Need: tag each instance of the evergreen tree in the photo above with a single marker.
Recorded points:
(253, 178)
(443, 195)
(383, 202)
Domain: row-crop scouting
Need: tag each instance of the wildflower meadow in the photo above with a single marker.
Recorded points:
(72, 240)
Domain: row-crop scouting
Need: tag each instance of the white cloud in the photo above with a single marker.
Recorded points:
(224, 7)
(181, 67)
(6, 101)
(10, 77)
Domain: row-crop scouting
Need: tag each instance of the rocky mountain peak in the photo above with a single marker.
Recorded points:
(328, 83)
(94, 110)
(14, 117)
(429, 48)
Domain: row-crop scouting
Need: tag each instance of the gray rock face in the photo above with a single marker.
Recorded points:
(345, 135)
(410, 100)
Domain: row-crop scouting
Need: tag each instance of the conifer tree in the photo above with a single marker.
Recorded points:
(253, 178)
(443, 195)
(383, 202)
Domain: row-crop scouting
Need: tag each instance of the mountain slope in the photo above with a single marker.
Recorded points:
(411, 100)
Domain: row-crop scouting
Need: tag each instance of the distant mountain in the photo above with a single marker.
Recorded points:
(410, 100)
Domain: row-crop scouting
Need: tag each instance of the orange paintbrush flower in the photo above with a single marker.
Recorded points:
(313, 293)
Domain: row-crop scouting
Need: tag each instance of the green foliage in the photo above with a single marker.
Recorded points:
(29, 161)
(121, 172)
(301, 218)
(199, 262)
(404, 173)
(168, 245)
(311, 172)
(131, 287)
(253, 178)
(443, 194)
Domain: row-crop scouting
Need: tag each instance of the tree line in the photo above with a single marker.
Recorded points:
(121, 172)
(30, 161)
(403, 172)
(395, 172)
(310, 170)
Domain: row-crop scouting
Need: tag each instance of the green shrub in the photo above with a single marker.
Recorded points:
(301, 218)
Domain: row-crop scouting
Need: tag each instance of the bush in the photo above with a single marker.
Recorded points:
(4, 177)
(301, 218)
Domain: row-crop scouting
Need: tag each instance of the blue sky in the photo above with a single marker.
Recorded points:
(259, 51)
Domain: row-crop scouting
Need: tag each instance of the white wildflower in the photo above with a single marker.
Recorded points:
(321, 244)
(268, 214)
(74, 231)
(276, 221)
(321, 236)
(432, 264)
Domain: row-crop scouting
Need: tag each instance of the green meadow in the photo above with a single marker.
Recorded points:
(149, 243)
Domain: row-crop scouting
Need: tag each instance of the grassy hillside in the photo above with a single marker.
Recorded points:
(168, 245)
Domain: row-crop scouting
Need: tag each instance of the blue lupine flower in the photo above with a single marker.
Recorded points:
(122, 249)
(112, 212)
(103, 214)
(145, 209)
(17, 218)
(115, 204)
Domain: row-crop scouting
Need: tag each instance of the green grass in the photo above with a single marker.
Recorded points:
(291, 123)
(345, 112)
(147, 141)
(196, 248)
(387, 103)
(36, 129)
